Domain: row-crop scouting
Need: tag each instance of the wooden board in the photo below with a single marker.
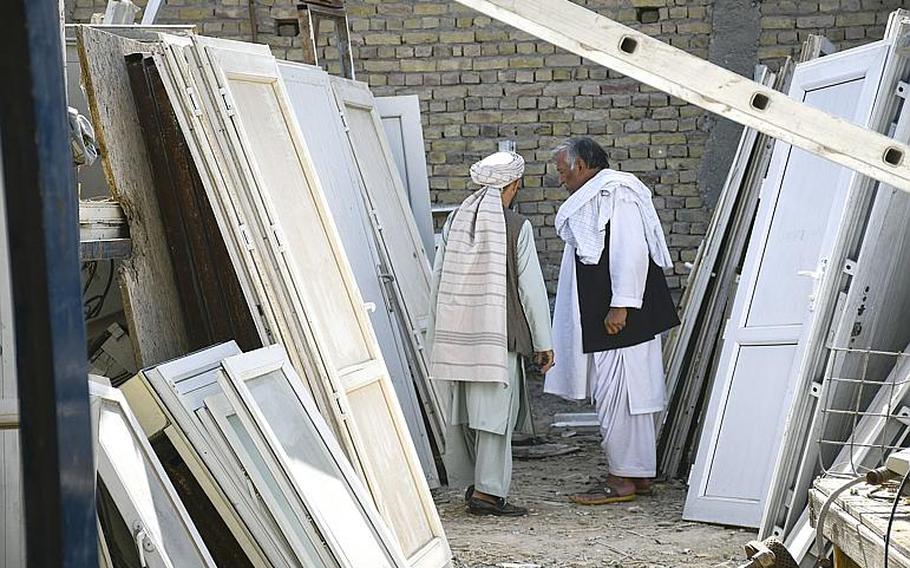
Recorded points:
(856, 523)
(213, 304)
(147, 281)
(677, 73)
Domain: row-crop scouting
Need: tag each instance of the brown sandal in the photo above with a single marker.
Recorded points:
(603, 495)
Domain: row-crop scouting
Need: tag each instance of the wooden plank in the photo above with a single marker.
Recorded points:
(147, 280)
(214, 307)
(857, 521)
(634, 54)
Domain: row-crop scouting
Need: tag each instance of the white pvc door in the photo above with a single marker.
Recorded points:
(321, 125)
(801, 208)
(401, 120)
(164, 535)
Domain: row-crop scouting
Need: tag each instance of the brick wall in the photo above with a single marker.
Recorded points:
(480, 82)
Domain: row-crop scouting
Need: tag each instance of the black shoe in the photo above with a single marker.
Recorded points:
(468, 493)
(500, 508)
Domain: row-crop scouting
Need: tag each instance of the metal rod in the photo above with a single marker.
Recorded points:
(56, 439)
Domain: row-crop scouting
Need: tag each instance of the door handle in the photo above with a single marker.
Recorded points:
(817, 275)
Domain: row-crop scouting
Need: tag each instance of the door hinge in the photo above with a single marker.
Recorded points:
(344, 122)
(280, 240)
(194, 101)
(245, 235)
(227, 104)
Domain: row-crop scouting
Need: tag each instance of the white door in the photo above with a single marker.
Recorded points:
(292, 225)
(162, 532)
(320, 122)
(395, 225)
(802, 203)
(179, 389)
(279, 418)
(401, 121)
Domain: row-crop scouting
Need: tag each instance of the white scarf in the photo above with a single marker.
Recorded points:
(582, 219)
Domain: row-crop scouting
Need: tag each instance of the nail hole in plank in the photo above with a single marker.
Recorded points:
(894, 156)
(760, 101)
(628, 44)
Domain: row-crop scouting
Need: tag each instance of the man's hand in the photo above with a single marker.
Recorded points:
(616, 320)
(544, 361)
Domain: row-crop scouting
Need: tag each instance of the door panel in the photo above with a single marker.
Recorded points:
(801, 209)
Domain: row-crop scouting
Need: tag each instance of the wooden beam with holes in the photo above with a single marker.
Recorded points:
(639, 56)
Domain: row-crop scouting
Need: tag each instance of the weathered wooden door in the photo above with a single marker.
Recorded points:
(320, 122)
(801, 208)
(401, 120)
(291, 223)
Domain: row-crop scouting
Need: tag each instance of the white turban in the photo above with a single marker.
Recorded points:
(498, 170)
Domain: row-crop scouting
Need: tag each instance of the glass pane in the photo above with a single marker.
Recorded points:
(315, 469)
(146, 491)
(279, 506)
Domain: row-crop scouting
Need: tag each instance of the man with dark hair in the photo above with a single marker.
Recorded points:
(612, 304)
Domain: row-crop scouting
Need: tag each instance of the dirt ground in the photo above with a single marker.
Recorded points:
(648, 532)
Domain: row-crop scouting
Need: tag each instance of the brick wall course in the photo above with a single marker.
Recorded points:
(480, 82)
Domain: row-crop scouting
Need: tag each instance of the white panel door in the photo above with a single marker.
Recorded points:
(279, 418)
(401, 121)
(320, 122)
(163, 532)
(394, 223)
(294, 228)
(801, 208)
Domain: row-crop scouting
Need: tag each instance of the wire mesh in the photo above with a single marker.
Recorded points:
(864, 409)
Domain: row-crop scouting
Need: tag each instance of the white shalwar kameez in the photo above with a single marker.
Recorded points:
(627, 384)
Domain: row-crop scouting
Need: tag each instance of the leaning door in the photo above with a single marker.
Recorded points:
(294, 222)
(801, 209)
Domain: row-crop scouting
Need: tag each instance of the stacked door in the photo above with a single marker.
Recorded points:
(306, 284)
(802, 205)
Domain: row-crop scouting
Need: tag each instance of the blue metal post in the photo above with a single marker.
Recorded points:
(42, 212)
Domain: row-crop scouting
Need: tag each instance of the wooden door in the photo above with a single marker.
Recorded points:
(320, 122)
(292, 225)
(802, 204)
(393, 222)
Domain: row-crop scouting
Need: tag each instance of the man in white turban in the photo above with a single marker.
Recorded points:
(490, 313)
(612, 304)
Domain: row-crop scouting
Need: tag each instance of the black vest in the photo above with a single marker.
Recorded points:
(518, 330)
(595, 292)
